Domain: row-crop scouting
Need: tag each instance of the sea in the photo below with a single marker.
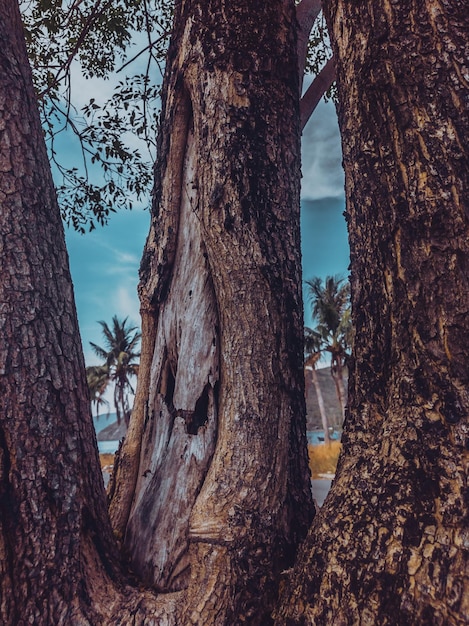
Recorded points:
(100, 423)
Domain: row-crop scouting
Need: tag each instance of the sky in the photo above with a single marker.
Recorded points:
(104, 263)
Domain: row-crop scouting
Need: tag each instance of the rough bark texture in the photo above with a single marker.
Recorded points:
(391, 543)
(47, 454)
(58, 563)
(221, 497)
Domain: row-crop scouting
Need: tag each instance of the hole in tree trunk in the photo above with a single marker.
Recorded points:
(200, 415)
(167, 384)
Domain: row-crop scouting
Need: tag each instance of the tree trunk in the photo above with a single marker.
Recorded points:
(337, 373)
(390, 545)
(58, 560)
(322, 408)
(49, 466)
(219, 497)
(219, 428)
(311, 363)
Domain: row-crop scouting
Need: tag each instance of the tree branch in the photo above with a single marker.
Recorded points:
(148, 47)
(306, 14)
(65, 67)
(316, 90)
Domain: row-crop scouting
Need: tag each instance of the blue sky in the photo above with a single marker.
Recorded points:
(104, 263)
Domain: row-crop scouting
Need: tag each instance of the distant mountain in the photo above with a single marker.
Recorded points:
(102, 421)
(313, 417)
(113, 432)
(107, 429)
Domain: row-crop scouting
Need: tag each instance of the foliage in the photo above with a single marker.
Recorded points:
(72, 40)
(330, 305)
(97, 377)
(313, 343)
(119, 356)
(89, 39)
(319, 51)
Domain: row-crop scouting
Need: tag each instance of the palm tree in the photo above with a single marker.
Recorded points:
(119, 354)
(97, 377)
(330, 303)
(312, 354)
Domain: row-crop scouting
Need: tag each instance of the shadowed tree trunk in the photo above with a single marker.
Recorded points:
(58, 562)
(390, 545)
(219, 497)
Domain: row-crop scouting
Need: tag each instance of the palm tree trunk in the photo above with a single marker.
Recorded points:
(322, 408)
(337, 376)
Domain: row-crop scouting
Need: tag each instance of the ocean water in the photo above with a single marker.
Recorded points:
(108, 447)
(316, 437)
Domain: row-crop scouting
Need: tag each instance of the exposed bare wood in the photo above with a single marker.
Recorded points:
(181, 422)
(220, 310)
(155, 274)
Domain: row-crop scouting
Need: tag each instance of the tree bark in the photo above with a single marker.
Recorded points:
(49, 468)
(58, 561)
(390, 545)
(218, 491)
(220, 497)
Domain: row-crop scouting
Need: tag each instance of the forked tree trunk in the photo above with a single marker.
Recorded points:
(219, 495)
(220, 411)
(390, 545)
(59, 565)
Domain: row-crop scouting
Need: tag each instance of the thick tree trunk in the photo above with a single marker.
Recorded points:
(390, 545)
(220, 497)
(49, 470)
(58, 562)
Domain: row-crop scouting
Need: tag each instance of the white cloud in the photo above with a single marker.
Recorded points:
(323, 175)
(120, 261)
(126, 304)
